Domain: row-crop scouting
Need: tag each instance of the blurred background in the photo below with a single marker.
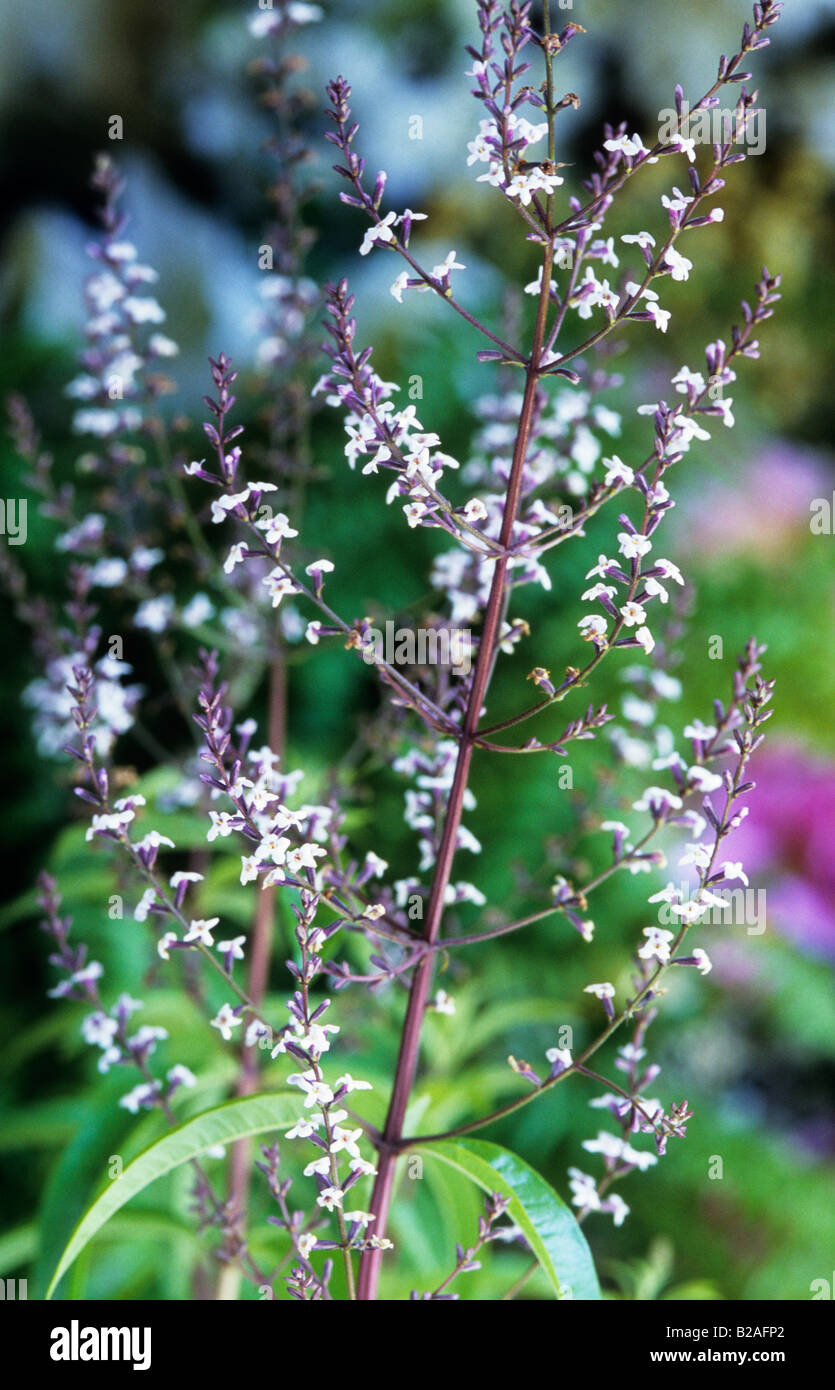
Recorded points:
(752, 1047)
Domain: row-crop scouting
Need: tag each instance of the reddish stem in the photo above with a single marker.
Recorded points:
(419, 992)
(259, 964)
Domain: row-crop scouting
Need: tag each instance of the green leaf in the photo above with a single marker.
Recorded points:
(17, 1247)
(236, 1119)
(549, 1226)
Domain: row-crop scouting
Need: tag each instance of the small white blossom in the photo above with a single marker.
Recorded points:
(703, 961)
(225, 1020)
(201, 930)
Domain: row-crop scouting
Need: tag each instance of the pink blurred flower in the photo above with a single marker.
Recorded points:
(766, 507)
(787, 844)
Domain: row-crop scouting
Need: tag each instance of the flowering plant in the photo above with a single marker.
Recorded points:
(534, 482)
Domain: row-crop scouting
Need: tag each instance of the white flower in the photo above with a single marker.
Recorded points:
(235, 557)
(318, 1165)
(657, 796)
(687, 146)
(607, 1144)
(153, 840)
(322, 566)
(304, 857)
(677, 203)
(605, 251)
(184, 876)
(660, 317)
(225, 1021)
(601, 991)
(304, 1127)
(637, 710)
(279, 584)
(633, 546)
(632, 613)
(350, 1084)
(201, 930)
(197, 611)
(524, 185)
(642, 239)
(155, 613)
(143, 310)
(666, 895)
(617, 471)
(233, 947)
(711, 899)
(656, 590)
(330, 1197)
(143, 906)
(221, 825)
(645, 638)
(249, 867)
(444, 1003)
(161, 346)
(475, 510)
(727, 413)
(305, 1243)
(641, 1158)
(732, 870)
(363, 1218)
(381, 231)
(703, 780)
(316, 1038)
(600, 568)
(449, 263)
(679, 265)
(696, 854)
(669, 570)
(361, 1165)
(98, 1029)
(181, 1076)
(593, 627)
(703, 961)
(689, 429)
(584, 1190)
(617, 1206)
(165, 942)
(143, 1094)
(535, 286)
(375, 864)
(631, 146)
(657, 945)
(277, 528)
(684, 378)
(316, 1092)
(399, 286)
(689, 912)
(559, 1054)
(346, 1140)
(408, 215)
(301, 13)
(596, 590)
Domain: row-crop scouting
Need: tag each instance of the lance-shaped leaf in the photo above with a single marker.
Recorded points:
(236, 1119)
(548, 1225)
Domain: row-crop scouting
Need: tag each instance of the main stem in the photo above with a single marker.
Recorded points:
(259, 968)
(421, 981)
